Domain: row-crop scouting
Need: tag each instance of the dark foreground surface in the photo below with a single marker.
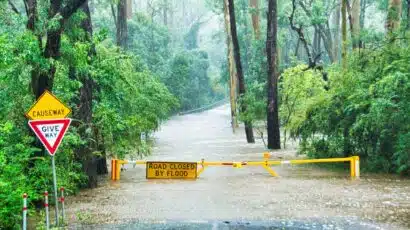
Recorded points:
(238, 225)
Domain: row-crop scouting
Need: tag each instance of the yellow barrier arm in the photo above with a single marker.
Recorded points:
(354, 164)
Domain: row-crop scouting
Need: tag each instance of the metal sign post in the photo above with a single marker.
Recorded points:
(47, 119)
(55, 188)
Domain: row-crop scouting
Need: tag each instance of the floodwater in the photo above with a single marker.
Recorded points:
(302, 197)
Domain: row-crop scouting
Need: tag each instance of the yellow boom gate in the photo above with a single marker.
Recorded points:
(266, 164)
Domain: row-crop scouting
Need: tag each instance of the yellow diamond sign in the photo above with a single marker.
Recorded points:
(48, 107)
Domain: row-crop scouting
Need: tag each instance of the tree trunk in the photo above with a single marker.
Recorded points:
(231, 66)
(85, 112)
(363, 5)
(344, 33)
(129, 9)
(255, 18)
(271, 52)
(52, 51)
(248, 125)
(336, 34)
(31, 14)
(122, 30)
(393, 16)
(165, 12)
(316, 42)
(408, 15)
(324, 31)
(355, 20)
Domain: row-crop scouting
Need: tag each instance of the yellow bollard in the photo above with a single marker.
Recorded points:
(357, 166)
(266, 156)
(352, 167)
(118, 169)
(113, 169)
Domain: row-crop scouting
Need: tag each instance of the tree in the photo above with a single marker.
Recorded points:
(272, 83)
(255, 17)
(336, 29)
(242, 90)
(355, 18)
(121, 24)
(44, 80)
(393, 16)
(408, 15)
(344, 33)
(91, 164)
(165, 12)
(231, 67)
(129, 9)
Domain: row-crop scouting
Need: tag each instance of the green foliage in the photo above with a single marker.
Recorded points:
(128, 99)
(298, 85)
(365, 112)
(150, 41)
(132, 100)
(191, 38)
(188, 79)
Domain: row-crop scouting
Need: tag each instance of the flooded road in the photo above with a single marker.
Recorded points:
(302, 197)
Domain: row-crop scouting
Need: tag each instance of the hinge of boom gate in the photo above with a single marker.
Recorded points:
(238, 164)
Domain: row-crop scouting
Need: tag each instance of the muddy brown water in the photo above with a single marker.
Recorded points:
(304, 193)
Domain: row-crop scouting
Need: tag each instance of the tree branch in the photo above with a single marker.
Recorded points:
(325, 33)
(71, 7)
(301, 36)
(349, 15)
(13, 7)
(113, 15)
(312, 60)
(26, 7)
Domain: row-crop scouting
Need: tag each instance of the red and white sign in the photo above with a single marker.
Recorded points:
(50, 132)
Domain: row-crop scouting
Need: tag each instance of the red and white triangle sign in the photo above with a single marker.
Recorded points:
(50, 132)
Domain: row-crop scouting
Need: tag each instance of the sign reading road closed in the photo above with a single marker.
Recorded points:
(171, 170)
(48, 107)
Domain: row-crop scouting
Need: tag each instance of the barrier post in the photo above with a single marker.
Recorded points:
(202, 167)
(271, 171)
(113, 169)
(25, 211)
(352, 167)
(357, 166)
(46, 208)
(62, 204)
(117, 169)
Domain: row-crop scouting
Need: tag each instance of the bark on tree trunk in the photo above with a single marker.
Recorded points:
(355, 18)
(363, 5)
(85, 112)
(248, 125)
(344, 33)
(271, 52)
(31, 14)
(165, 12)
(122, 30)
(255, 18)
(393, 16)
(408, 15)
(231, 66)
(129, 9)
(336, 35)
